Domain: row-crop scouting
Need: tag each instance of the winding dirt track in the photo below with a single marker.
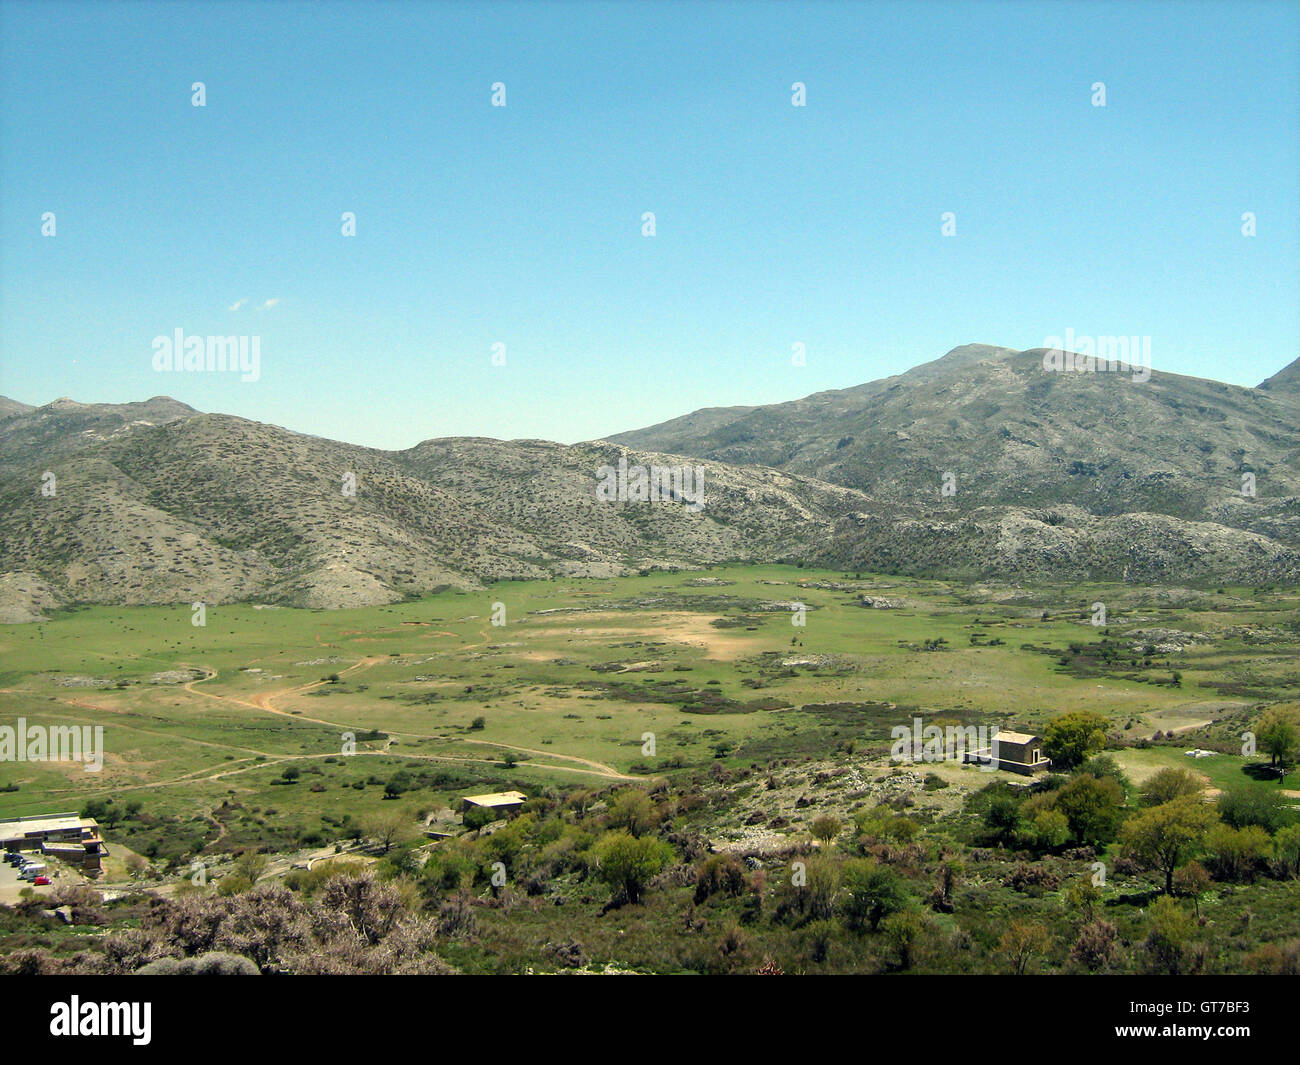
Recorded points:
(266, 701)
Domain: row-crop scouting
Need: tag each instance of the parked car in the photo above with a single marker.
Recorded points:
(13, 857)
(41, 881)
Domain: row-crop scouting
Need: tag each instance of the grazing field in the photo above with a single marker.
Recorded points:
(237, 732)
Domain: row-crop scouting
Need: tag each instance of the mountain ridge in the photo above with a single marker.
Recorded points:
(1054, 476)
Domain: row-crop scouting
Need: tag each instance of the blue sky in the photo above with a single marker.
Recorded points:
(475, 225)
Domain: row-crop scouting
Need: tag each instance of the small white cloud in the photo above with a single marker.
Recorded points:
(237, 304)
(270, 303)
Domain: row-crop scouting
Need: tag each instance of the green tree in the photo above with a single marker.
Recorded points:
(871, 892)
(251, 865)
(627, 863)
(1092, 806)
(634, 810)
(1278, 734)
(1191, 881)
(1250, 804)
(880, 822)
(1164, 836)
(1021, 942)
(390, 829)
(478, 816)
(1105, 767)
(1172, 782)
(1234, 853)
(1081, 896)
(1051, 829)
(825, 829)
(1002, 818)
(906, 931)
(1070, 738)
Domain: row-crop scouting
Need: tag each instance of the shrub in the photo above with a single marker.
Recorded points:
(214, 963)
(1095, 947)
(1033, 879)
(627, 864)
(1172, 782)
(1243, 806)
(719, 873)
(1236, 853)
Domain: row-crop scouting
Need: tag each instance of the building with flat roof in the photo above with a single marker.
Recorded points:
(68, 837)
(502, 802)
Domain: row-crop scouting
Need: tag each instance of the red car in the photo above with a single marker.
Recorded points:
(41, 881)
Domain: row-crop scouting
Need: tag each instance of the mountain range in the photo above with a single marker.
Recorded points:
(981, 464)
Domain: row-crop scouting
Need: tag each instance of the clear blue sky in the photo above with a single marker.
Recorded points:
(775, 224)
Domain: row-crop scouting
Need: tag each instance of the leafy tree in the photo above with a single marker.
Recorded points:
(871, 893)
(1002, 818)
(1166, 835)
(1092, 806)
(1070, 738)
(1104, 767)
(1172, 782)
(251, 865)
(1278, 734)
(880, 823)
(1051, 829)
(507, 843)
(1081, 896)
(634, 810)
(452, 867)
(1235, 852)
(478, 816)
(390, 829)
(627, 863)
(1253, 805)
(825, 829)
(906, 931)
(816, 937)
(1191, 882)
(1021, 942)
